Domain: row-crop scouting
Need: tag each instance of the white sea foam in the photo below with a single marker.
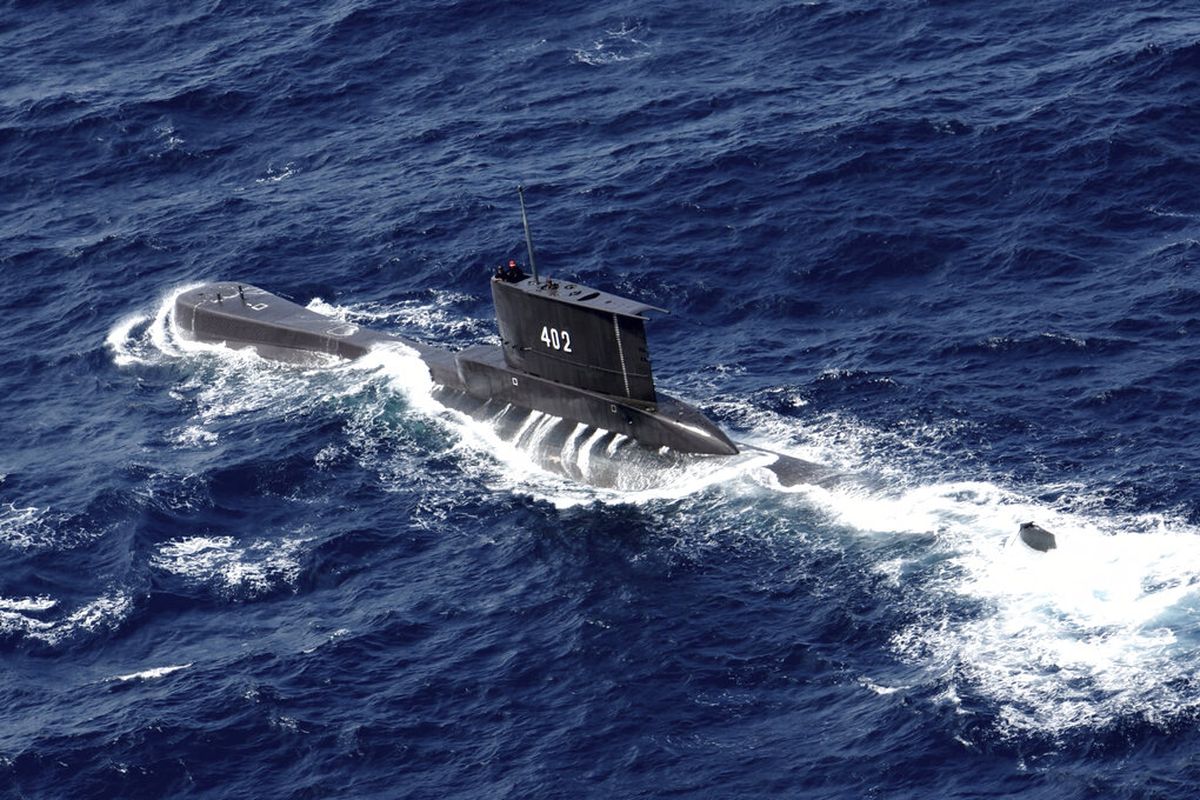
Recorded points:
(277, 174)
(232, 568)
(1103, 627)
(24, 604)
(585, 451)
(29, 528)
(25, 528)
(406, 373)
(866, 683)
(151, 674)
(332, 637)
(143, 339)
(193, 436)
(625, 42)
(106, 612)
(169, 136)
(120, 340)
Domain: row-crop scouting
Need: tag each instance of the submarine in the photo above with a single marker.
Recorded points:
(567, 350)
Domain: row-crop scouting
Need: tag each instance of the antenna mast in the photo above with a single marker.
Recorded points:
(528, 237)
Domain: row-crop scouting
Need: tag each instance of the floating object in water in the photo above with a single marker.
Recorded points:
(1037, 537)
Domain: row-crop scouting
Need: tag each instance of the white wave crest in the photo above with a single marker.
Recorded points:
(193, 436)
(231, 568)
(21, 604)
(105, 613)
(120, 340)
(25, 528)
(626, 42)
(142, 339)
(151, 674)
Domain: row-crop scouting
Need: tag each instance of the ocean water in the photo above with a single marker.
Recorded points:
(947, 247)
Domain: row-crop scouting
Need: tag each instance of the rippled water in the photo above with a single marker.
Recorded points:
(945, 248)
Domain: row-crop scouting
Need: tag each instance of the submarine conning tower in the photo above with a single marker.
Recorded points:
(577, 336)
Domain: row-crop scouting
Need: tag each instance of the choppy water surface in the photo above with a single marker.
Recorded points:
(947, 248)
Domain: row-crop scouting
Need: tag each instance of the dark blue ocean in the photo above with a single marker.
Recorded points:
(949, 248)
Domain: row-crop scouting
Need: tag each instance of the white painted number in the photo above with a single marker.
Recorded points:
(559, 340)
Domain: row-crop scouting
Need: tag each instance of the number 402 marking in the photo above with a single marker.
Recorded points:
(559, 340)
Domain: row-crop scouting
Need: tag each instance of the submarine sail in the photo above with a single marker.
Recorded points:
(577, 336)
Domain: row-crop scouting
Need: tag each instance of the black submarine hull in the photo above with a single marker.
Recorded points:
(245, 316)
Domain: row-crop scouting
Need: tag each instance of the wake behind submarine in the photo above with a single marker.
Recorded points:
(567, 350)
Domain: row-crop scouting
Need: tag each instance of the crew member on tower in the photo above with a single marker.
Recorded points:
(511, 273)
